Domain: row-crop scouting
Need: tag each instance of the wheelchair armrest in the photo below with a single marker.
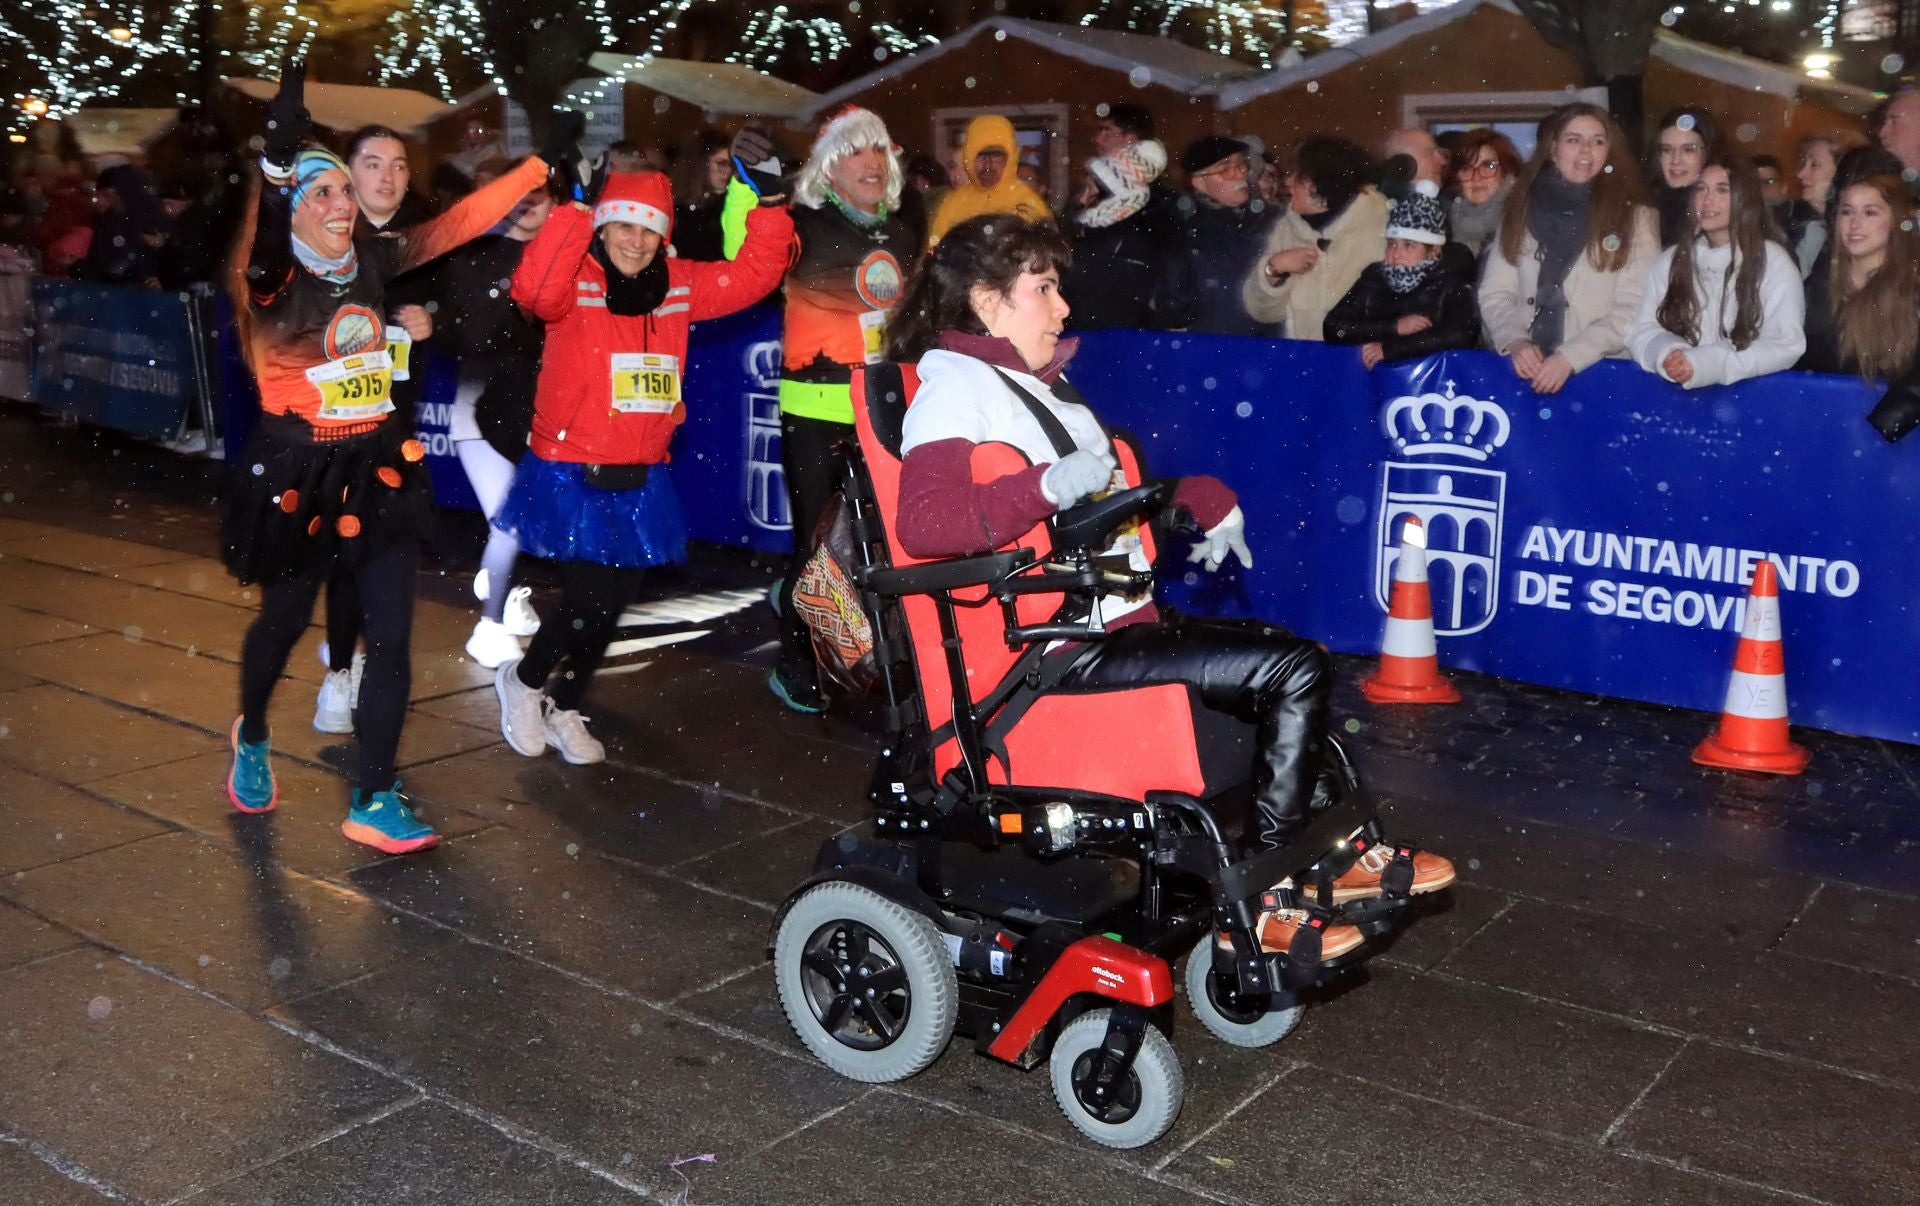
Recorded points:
(1091, 525)
(936, 576)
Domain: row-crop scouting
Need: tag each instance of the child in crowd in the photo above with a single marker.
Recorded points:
(1724, 303)
(1408, 304)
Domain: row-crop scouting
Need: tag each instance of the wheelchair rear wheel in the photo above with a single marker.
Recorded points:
(1229, 1017)
(1145, 1103)
(865, 982)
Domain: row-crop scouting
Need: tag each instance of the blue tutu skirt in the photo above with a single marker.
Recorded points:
(555, 514)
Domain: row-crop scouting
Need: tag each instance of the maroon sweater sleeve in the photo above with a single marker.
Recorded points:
(1208, 499)
(943, 512)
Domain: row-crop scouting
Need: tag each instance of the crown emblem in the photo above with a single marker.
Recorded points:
(1446, 425)
(763, 362)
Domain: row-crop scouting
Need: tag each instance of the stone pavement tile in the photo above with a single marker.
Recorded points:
(653, 936)
(18, 628)
(60, 734)
(1579, 805)
(13, 680)
(629, 1087)
(115, 606)
(42, 821)
(152, 1087)
(230, 921)
(608, 808)
(1701, 986)
(202, 576)
(1684, 824)
(24, 938)
(1439, 924)
(290, 718)
(152, 677)
(426, 1153)
(1819, 1133)
(888, 1149)
(1339, 1140)
(1656, 885)
(77, 550)
(1484, 1050)
(303, 830)
(765, 868)
(26, 1180)
(1872, 930)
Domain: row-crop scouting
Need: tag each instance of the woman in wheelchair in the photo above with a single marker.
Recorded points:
(982, 317)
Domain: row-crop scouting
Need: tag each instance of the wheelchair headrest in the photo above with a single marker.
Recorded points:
(886, 402)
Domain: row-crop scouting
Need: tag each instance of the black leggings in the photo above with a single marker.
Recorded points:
(806, 449)
(384, 587)
(1254, 672)
(343, 619)
(592, 596)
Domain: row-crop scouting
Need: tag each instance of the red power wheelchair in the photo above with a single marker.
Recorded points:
(1025, 880)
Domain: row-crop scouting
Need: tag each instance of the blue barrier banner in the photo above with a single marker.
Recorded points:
(113, 356)
(1601, 539)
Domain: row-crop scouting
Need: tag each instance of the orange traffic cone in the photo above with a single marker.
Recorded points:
(1409, 669)
(1753, 725)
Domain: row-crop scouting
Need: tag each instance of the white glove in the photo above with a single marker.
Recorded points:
(1075, 476)
(1227, 536)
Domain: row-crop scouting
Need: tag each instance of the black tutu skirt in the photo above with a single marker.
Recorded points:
(298, 507)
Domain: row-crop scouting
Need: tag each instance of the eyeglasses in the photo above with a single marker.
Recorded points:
(1486, 167)
(1232, 169)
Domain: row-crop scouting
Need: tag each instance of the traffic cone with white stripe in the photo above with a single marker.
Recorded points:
(1409, 667)
(1752, 735)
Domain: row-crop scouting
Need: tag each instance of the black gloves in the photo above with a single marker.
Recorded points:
(754, 162)
(287, 116)
(1899, 410)
(561, 151)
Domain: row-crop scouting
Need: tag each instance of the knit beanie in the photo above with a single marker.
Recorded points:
(309, 165)
(1418, 218)
(1126, 173)
(642, 198)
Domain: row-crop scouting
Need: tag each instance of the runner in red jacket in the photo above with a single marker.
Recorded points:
(593, 492)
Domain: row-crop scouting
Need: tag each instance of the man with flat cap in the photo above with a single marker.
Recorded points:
(1216, 229)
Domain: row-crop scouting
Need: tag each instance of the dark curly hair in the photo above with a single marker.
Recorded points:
(991, 250)
(1337, 169)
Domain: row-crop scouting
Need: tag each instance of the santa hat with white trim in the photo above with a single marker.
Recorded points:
(642, 198)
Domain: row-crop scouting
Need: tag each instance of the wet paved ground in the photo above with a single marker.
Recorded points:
(1655, 984)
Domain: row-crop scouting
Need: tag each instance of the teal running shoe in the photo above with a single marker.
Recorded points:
(385, 821)
(250, 785)
(796, 688)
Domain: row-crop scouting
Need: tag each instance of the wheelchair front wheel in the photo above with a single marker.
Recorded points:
(1228, 1016)
(865, 982)
(1145, 1104)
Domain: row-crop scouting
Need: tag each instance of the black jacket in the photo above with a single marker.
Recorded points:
(1369, 310)
(1114, 273)
(1898, 412)
(1206, 253)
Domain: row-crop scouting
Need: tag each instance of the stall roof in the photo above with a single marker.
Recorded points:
(1166, 63)
(1685, 54)
(723, 88)
(107, 131)
(350, 106)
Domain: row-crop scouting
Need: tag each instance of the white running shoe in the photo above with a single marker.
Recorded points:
(491, 644)
(521, 619)
(522, 708)
(333, 713)
(326, 654)
(567, 732)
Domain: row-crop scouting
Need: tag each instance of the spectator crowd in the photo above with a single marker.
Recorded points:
(1700, 264)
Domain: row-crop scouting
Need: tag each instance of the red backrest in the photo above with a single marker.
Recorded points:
(1171, 764)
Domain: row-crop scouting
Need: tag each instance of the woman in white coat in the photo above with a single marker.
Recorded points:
(1562, 284)
(1725, 302)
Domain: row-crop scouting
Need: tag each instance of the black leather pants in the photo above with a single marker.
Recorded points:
(1255, 672)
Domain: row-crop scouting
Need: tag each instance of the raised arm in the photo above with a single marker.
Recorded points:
(472, 216)
(721, 287)
(543, 284)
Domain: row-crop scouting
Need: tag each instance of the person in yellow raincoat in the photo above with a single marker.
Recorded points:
(989, 158)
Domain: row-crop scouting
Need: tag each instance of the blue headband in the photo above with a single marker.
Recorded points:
(309, 165)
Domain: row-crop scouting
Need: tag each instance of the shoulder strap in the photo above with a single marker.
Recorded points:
(1056, 432)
